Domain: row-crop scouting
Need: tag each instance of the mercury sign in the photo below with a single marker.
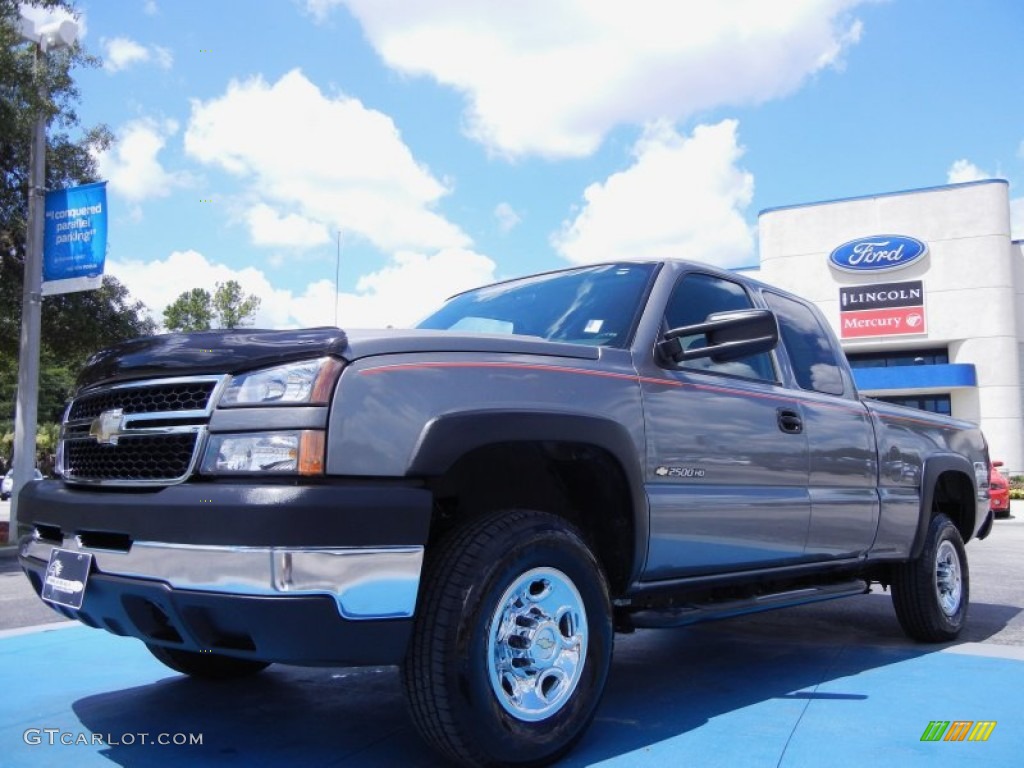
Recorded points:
(75, 238)
(883, 309)
(878, 253)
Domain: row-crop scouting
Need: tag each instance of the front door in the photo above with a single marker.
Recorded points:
(727, 458)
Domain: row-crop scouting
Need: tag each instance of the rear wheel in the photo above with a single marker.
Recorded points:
(512, 642)
(211, 666)
(931, 594)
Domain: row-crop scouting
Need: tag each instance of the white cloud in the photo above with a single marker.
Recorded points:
(131, 165)
(267, 227)
(411, 286)
(43, 16)
(320, 9)
(683, 197)
(552, 77)
(398, 295)
(507, 217)
(163, 57)
(158, 283)
(150, 8)
(964, 170)
(332, 160)
(122, 53)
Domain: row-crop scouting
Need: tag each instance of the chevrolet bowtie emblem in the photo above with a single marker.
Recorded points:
(545, 643)
(106, 427)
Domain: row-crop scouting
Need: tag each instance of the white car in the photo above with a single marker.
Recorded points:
(7, 485)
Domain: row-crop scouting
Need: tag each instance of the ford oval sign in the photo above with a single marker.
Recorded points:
(878, 253)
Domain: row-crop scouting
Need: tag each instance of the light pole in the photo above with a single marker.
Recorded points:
(49, 37)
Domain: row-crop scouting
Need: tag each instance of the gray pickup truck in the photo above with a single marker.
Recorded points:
(485, 500)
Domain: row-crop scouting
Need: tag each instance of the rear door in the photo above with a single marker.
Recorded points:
(840, 436)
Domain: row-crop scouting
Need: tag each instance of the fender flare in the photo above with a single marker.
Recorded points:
(445, 439)
(935, 466)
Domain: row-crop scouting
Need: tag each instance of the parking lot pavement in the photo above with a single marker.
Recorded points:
(833, 684)
(728, 694)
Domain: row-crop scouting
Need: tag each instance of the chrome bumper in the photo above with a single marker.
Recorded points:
(366, 583)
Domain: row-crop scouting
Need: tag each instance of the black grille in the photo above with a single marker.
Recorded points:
(148, 458)
(153, 398)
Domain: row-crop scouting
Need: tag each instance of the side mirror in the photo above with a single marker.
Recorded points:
(727, 336)
(997, 463)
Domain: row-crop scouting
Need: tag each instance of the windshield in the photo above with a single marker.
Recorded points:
(592, 305)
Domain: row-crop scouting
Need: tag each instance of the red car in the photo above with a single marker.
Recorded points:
(998, 491)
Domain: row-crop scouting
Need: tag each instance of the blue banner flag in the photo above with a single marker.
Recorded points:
(75, 238)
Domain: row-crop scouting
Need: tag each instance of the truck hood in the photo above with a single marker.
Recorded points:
(217, 352)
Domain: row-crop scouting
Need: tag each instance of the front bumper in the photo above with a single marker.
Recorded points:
(313, 575)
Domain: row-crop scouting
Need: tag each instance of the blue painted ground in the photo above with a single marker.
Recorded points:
(737, 693)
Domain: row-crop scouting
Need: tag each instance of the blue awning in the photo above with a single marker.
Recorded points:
(916, 377)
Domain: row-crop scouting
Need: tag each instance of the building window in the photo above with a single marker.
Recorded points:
(934, 403)
(898, 358)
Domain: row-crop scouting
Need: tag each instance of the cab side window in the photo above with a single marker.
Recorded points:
(696, 297)
(810, 351)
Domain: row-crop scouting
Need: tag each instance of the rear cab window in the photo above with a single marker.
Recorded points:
(809, 346)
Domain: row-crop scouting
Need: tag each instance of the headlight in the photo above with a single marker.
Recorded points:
(306, 383)
(300, 452)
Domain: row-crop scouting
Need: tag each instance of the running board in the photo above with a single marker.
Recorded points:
(682, 615)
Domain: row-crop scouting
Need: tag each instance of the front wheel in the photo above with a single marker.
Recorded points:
(211, 666)
(931, 594)
(512, 642)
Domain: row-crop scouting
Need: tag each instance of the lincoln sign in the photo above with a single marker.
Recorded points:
(885, 309)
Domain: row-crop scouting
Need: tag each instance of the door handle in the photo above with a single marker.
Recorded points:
(790, 421)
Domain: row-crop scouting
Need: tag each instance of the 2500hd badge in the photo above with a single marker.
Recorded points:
(483, 500)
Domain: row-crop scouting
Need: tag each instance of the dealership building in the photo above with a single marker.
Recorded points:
(924, 290)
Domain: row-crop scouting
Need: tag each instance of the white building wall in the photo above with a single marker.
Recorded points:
(1017, 257)
(973, 279)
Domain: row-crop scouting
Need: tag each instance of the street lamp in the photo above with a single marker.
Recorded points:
(61, 34)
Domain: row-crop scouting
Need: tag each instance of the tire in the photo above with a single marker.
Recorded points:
(512, 642)
(931, 594)
(209, 666)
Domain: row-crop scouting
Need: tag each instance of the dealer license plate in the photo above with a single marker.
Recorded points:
(66, 576)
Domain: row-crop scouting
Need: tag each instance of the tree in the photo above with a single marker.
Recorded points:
(191, 311)
(233, 309)
(74, 325)
(69, 161)
(196, 310)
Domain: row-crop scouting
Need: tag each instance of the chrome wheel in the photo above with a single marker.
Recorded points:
(948, 580)
(932, 592)
(511, 643)
(537, 644)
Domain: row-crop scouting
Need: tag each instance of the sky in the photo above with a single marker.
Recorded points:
(400, 152)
